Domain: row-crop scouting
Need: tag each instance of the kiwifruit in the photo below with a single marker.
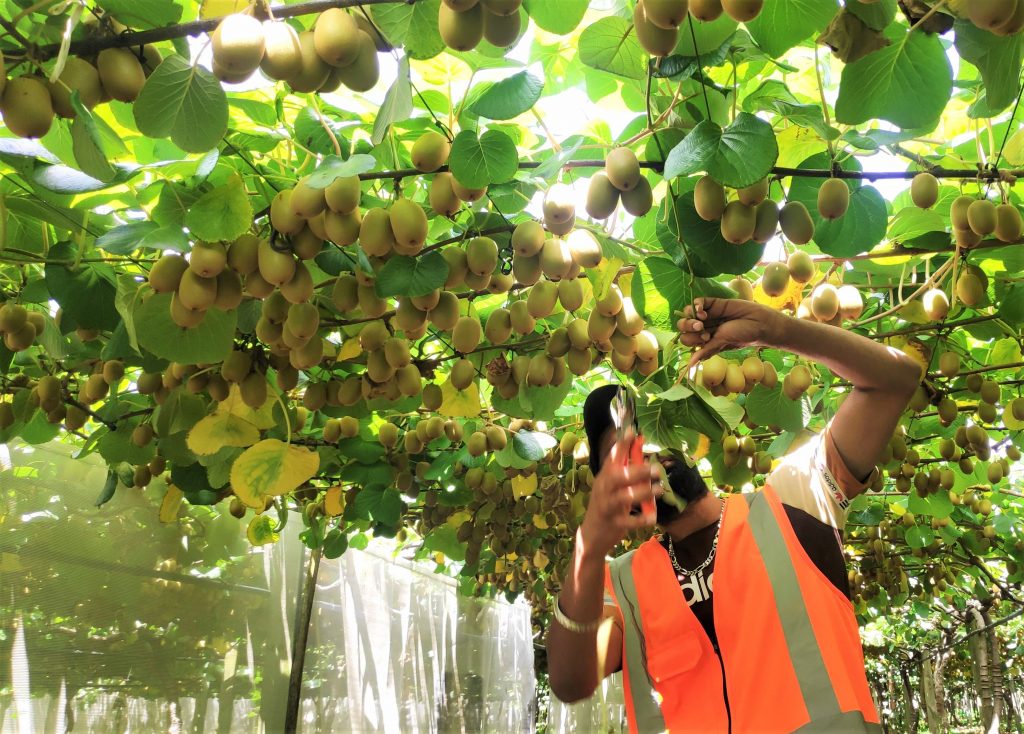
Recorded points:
(457, 266)
(121, 74)
(558, 343)
(243, 254)
(766, 221)
(966, 238)
(362, 74)
(428, 301)
(275, 267)
(238, 44)
(623, 362)
(796, 223)
(307, 201)
(559, 206)
(709, 199)
(825, 302)
(342, 229)
(526, 270)
(579, 361)
(282, 54)
(622, 343)
(196, 292)
(442, 198)
(408, 223)
(775, 279)
(655, 41)
(498, 328)
(344, 294)
(851, 304)
(541, 370)
(462, 374)
(833, 198)
(600, 327)
(282, 217)
(743, 289)
(502, 7)
(542, 299)
(958, 212)
(990, 14)
(78, 76)
(461, 31)
(236, 366)
(12, 316)
(430, 151)
(611, 303)
(445, 314)
(734, 382)
(949, 364)
(314, 71)
(307, 244)
(969, 289)
(476, 444)
(229, 290)
(801, 266)
(519, 315)
(555, 259)
(639, 199)
(466, 334)
(602, 197)
(370, 303)
(924, 190)
(713, 370)
(622, 168)
(584, 248)
(460, 6)
(738, 222)
(186, 318)
(165, 275)
(408, 317)
(37, 320)
(935, 303)
(208, 259)
(501, 30)
(467, 195)
(336, 37)
(1009, 225)
(667, 14)
(253, 389)
(570, 294)
(742, 11)
(27, 108)
(528, 238)
(981, 217)
(303, 320)
(628, 319)
(577, 332)
(482, 255)
(376, 235)
(989, 391)
(706, 10)
(755, 193)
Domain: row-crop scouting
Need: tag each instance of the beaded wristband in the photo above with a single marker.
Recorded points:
(571, 625)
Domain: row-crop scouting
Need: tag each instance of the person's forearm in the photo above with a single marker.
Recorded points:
(572, 656)
(867, 364)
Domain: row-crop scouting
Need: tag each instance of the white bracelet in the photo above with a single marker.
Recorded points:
(571, 625)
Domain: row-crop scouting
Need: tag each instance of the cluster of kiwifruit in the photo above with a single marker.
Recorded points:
(340, 49)
(827, 303)
(974, 219)
(657, 22)
(20, 326)
(29, 102)
(206, 280)
(722, 376)
(621, 180)
(1001, 17)
(736, 449)
(463, 24)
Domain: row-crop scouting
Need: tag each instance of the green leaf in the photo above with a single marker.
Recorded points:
(210, 341)
(532, 445)
(1011, 306)
(710, 37)
(560, 17)
(335, 544)
(664, 421)
(998, 58)
(221, 214)
(397, 104)
(479, 162)
(510, 97)
(143, 13)
(907, 83)
(860, 229)
(85, 294)
(334, 167)
(534, 403)
(919, 536)
(876, 15)
(665, 288)
(412, 276)
(737, 156)
(87, 145)
(783, 24)
(911, 222)
(769, 407)
(125, 238)
(611, 45)
(444, 539)
(184, 102)
(708, 253)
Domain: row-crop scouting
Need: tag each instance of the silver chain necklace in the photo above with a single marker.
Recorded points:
(714, 547)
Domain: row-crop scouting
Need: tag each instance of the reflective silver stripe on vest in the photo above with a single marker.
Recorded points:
(646, 709)
(851, 722)
(812, 675)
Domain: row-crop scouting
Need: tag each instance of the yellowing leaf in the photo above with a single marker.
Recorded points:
(457, 518)
(349, 350)
(603, 276)
(170, 504)
(540, 522)
(219, 8)
(459, 403)
(262, 530)
(269, 469)
(262, 417)
(914, 313)
(334, 501)
(702, 448)
(524, 486)
(789, 298)
(216, 431)
(918, 352)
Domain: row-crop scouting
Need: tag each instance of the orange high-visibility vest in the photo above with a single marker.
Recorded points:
(789, 656)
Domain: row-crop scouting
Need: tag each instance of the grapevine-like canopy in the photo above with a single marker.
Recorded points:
(365, 261)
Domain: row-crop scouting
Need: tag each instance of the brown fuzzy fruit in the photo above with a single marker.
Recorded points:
(238, 44)
(738, 222)
(924, 190)
(936, 304)
(121, 73)
(755, 193)
(622, 168)
(825, 302)
(796, 223)
(775, 279)
(602, 197)
(969, 289)
(430, 151)
(461, 31)
(655, 41)
(833, 198)
(1009, 225)
(709, 199)
(282, 54)
(742, 11)
(27, 108)
(981, 217)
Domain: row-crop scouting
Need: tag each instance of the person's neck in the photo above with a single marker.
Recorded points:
(696, 516)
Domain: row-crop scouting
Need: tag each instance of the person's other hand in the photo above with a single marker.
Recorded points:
(715, 324)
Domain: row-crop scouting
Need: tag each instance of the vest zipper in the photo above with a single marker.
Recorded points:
(725, 689)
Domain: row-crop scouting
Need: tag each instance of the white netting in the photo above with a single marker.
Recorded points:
(111, 621)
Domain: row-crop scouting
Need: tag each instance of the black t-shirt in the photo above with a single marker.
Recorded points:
(818, 538)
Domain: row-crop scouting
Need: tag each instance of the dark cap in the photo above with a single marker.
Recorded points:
(597, 418)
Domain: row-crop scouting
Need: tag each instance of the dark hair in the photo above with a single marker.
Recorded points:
(597, 418)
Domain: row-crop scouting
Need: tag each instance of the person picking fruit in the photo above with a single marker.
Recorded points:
(736, 616)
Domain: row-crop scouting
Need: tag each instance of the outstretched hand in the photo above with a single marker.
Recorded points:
(712, 325)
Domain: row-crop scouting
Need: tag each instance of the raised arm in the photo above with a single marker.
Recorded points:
(883, 378)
